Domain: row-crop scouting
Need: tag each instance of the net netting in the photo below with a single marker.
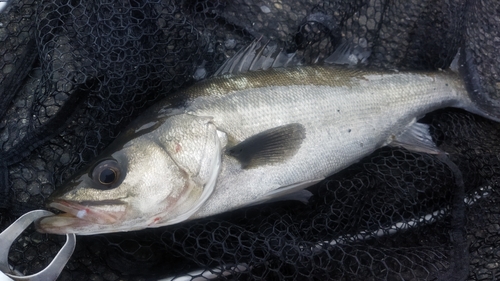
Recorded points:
(74, 73)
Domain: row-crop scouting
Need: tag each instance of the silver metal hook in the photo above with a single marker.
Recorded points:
(9, 235)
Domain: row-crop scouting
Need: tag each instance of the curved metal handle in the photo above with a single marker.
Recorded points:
(9, 235)
(3, 5)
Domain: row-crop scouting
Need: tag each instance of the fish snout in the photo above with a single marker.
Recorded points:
(78, 215)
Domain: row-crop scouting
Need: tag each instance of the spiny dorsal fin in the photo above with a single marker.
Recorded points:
(258, 56)
(271, 146)
(348, 54)
(261, 56)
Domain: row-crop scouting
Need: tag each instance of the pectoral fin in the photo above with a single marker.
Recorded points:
(268, 147)
(417, 138)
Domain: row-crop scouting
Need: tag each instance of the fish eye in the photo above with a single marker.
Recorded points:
(106, 173)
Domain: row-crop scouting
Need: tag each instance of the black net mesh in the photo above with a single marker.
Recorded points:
(74, 73)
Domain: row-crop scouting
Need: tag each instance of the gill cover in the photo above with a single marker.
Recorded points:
(195, 145)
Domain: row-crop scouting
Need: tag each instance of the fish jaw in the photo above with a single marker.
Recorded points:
(80, 215)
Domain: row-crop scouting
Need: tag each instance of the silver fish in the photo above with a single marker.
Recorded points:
(236, 140)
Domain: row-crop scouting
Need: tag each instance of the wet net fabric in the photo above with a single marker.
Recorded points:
(74, 73)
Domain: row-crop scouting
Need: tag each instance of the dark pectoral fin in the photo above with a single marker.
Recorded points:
(271, 146)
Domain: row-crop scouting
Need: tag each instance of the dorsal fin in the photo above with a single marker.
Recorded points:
(261, 56)
(258, 56)
(454, 66)
(348, 54)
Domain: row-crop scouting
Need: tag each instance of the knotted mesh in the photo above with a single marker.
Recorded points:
(74, 73)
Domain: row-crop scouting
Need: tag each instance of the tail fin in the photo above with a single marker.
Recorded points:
(481, 102)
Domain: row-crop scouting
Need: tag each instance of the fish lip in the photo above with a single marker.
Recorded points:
(82, 217)
(89, 211)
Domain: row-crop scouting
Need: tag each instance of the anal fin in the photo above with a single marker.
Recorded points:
(417, 138)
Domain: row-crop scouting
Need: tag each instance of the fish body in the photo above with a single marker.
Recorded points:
(236, 140)
(347, 114)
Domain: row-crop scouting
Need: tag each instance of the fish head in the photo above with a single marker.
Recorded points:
(152, 180)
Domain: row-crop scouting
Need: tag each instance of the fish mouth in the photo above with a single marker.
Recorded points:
(81, 215)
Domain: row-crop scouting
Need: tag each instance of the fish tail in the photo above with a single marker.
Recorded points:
(479, 101)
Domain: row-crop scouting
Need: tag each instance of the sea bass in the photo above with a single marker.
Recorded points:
(237, 140)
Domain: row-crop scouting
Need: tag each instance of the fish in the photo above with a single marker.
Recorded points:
(257, 131)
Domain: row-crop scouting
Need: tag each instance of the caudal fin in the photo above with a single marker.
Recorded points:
(481, 102)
